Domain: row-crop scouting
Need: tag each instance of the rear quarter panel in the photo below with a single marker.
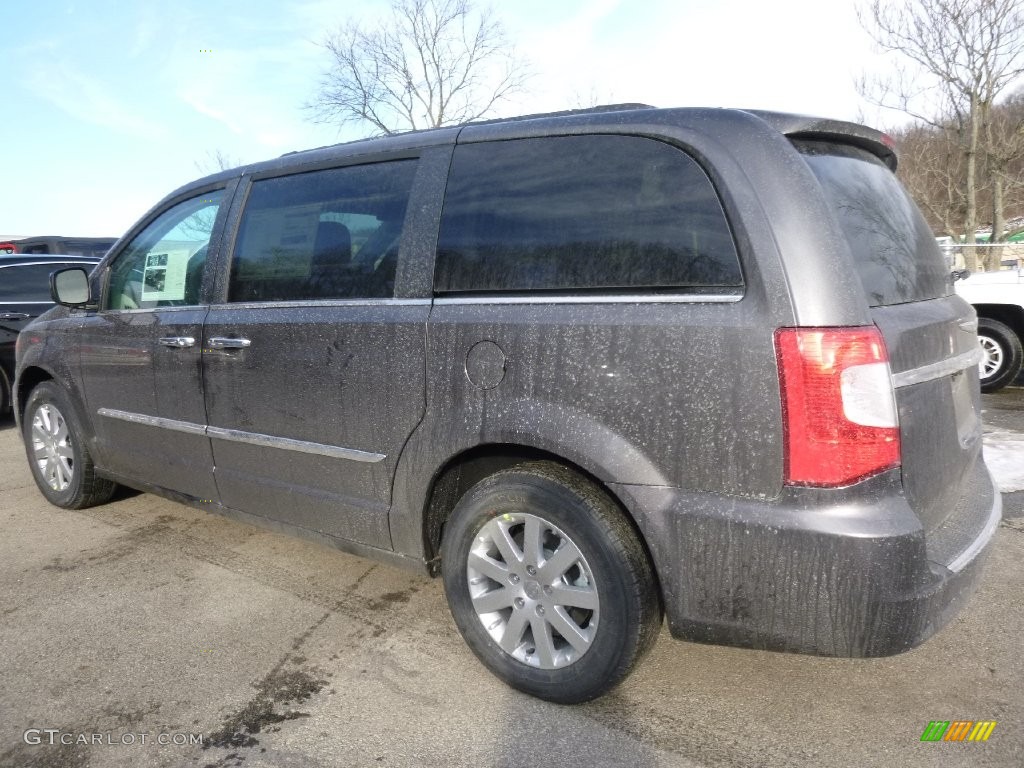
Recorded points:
(647, 393)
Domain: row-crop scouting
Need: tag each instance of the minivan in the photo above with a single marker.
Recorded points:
(592, 368)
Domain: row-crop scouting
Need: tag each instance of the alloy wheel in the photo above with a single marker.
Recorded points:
(533, 590)
(992, 359)
(51, 447)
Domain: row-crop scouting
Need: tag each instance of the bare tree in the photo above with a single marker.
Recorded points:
(217, 160)
(430, 63)
(1004, 140)
(932, 168)
(958, 56)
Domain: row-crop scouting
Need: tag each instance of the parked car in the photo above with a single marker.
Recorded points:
(998, 298)
(74, 246)
(24, 295)
(589, 368)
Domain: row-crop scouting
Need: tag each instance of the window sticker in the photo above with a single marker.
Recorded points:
(163, 278)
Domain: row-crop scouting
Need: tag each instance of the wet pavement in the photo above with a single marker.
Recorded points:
(145, 619)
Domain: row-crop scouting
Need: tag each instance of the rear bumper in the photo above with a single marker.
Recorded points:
(846, 572)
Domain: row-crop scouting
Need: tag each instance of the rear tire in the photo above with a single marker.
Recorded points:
(57, 453)
(1002, 352)
(549, 583)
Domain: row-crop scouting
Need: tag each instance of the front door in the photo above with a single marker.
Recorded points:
(142, 354)
(314, 372)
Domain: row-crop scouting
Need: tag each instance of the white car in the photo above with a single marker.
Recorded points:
(998, 298)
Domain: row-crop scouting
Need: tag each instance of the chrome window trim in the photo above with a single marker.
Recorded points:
(707, 298)
(15, 301)
(937, 370)
(238, 436)
(450, 301)
(302, 303)
(179, 308)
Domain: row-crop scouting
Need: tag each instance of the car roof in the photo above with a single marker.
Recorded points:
(794, 126)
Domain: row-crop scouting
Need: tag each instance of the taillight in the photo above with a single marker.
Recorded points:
(838, 405)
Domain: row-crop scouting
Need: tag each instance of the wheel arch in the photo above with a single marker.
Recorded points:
(463, 470)
(29, 378)
(1010, 315)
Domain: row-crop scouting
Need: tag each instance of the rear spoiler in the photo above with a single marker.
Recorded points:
(877, 143)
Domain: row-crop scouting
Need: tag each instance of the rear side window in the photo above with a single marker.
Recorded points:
(330, 234)
(28, 282)
(582, 214)
(896, 255)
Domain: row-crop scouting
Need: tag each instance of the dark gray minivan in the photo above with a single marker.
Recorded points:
(589, 367)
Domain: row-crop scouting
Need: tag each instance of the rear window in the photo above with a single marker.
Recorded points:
(897, 258)
(582, 214)
(75, 248)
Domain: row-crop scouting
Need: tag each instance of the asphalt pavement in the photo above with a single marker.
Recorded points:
(132, 631)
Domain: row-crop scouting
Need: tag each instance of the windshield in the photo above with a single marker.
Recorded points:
(897, 258)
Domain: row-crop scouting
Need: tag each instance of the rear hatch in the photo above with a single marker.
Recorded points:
(930, 333)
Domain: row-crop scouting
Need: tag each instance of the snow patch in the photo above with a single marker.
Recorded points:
(1004, 456)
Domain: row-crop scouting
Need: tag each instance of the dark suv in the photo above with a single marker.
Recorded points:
(588, 367)
(76, 246)
(24, 296)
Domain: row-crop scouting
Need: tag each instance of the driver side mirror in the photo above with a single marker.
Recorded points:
(70, 287)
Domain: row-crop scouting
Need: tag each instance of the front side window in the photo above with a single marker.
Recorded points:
(163, 265)
(582, 214)
(331, 234)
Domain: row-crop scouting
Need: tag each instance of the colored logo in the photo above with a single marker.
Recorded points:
(958, 730)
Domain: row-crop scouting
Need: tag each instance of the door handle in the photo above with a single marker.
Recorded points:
(222, 342)
(178, 342)
(14, 316)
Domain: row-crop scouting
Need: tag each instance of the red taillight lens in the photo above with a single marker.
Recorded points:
(838, 405)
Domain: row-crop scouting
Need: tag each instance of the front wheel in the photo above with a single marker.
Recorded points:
(1002, 356)
(57, 452)
(548, 583)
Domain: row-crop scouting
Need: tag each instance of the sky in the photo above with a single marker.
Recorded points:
(110, 105)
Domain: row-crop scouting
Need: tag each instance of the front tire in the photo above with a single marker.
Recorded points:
(549, 583)
(1002, 354)
(57, 452)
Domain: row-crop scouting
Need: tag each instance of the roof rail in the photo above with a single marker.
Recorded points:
(565, 113)
(516, 118)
